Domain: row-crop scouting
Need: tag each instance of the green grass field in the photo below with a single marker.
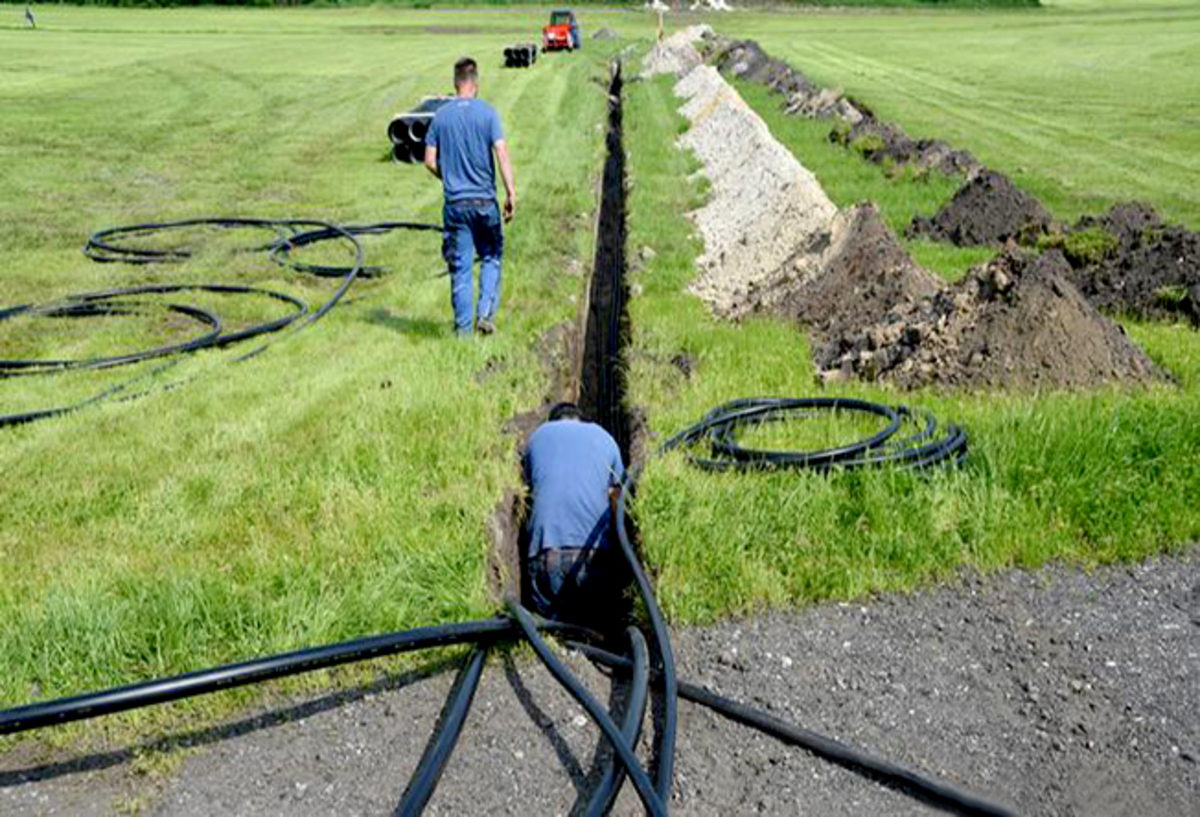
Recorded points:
(342, 483)
(1084, 102)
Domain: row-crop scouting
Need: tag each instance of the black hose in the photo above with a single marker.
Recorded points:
(437, 753)
(631, 725)
(641, 781)
(937, 791)
(721, 425)
(112, 245)
(662, 642)
(93, 306)
(202, 682)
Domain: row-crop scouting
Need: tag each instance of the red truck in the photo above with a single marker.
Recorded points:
(562, 33)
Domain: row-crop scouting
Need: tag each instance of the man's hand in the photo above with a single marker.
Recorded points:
(506, 175)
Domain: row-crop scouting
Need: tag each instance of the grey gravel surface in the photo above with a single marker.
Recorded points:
(1055, 691)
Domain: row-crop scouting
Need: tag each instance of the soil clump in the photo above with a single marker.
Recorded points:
(1016, 320)
(1129, 262)
(988, 209)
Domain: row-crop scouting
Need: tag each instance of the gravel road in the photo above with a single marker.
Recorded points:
(1055, 691)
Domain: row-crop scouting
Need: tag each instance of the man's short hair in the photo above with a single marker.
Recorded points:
(465, 70)
(565, 411)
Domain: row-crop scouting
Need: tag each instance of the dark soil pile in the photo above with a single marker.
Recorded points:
(883, 143)
(1129, 262)
(1017, 320)
(745, 59)
(879, 142)
(864, 273)
(988, 209)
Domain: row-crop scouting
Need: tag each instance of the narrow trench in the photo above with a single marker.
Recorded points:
(606, 332)
(589, 359)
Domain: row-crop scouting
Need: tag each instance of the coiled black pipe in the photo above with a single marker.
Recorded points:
(103, 304)
(721, 425)
(936, 791)
(437, 753)
(112, 245)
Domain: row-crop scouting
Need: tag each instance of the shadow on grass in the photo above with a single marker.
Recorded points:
(99, 761)
(417, 328)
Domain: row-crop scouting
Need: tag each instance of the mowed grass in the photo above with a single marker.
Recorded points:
(1083, 102)
(340, 484)
(1088, 477)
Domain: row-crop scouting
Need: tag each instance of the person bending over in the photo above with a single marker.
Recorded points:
(458, 150)
(573, 469)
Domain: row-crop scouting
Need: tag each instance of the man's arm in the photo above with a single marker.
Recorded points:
(506, 175)
(431, 161)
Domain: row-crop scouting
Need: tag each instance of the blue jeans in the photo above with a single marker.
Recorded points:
(469, 227)
(579, 585)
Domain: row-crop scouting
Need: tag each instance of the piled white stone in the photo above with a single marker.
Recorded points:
(767, 219)
(676, 54)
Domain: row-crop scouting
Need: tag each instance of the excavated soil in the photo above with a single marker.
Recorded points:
(877, 141)
(988, 209)
(1016, 320)
(863, 274)
(775, 244)
(1143, 267)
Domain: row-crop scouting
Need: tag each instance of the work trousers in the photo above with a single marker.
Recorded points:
(580, 585)
(470, 227)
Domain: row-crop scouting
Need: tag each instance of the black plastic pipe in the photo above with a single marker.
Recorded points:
(202, 682)
(641, 781)
(631, 725)
(928, 788)
(437, 753)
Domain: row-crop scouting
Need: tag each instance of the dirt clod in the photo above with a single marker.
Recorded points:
(1129, 262)
(988, 209)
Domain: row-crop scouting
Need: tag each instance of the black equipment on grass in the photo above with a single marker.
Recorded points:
(520, 56)
(407, 130)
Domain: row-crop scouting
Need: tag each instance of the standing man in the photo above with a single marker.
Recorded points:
(29, 16)
(574, 471)
(458, 150)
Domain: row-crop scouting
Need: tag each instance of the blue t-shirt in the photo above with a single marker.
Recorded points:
(464, 131)
(569, 467)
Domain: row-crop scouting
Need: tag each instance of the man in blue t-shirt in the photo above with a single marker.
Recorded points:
(458, 150)
(574, 470)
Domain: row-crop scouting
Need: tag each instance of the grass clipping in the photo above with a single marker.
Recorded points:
(775, 244)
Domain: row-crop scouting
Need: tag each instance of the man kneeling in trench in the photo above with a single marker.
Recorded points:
(574, 471)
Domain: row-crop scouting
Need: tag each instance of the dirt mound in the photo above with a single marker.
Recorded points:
(877, 141)
(864, 273)
(745, 59)
(1017, 320)
(988, 209)
(883, 143)
(1129, 262)
(604, 34)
